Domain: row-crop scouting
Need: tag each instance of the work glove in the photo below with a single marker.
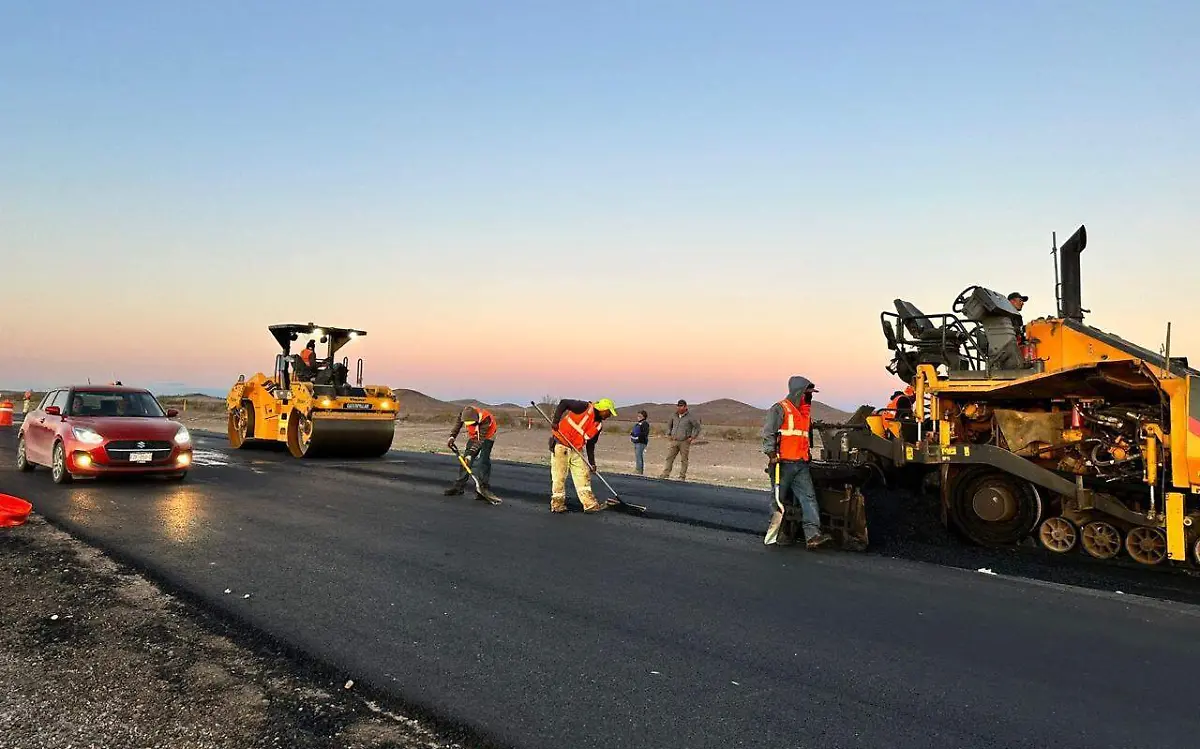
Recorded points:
(473, 448)
(450, 442)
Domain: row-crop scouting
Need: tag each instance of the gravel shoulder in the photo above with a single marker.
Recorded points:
(94, 655)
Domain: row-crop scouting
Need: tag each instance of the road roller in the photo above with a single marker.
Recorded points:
(308, 402)
(1052, 433)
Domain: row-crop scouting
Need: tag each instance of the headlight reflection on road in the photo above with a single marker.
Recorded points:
(181, 513)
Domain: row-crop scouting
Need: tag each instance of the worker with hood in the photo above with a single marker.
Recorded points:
(787, 437)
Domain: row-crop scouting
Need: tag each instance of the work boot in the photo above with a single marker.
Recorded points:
(596, 507)
(818, 540)
(559, 505)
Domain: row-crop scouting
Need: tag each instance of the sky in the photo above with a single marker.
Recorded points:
(635, 200)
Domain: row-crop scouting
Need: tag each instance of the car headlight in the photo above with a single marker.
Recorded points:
(87, 436)
(182, 437)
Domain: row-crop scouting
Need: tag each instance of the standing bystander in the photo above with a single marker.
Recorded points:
(640, 437)
(682, 431)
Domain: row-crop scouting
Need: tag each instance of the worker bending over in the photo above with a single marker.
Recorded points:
(481, 437)
(577, 425)
(787, 435)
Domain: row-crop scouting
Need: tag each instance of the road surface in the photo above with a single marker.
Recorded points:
(529, 629)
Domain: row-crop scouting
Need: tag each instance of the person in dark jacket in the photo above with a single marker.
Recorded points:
(640, 437)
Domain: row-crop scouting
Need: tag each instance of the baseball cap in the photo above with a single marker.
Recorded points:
(1018, 295)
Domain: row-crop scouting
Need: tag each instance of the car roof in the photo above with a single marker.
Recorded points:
(103, 388)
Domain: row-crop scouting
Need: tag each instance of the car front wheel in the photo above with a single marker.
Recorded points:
(23, 463)
(59, 470)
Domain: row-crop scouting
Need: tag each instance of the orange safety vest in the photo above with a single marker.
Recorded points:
(577, 429)
(307, 355)
(473, 427)
(793, 434)
(889, 414)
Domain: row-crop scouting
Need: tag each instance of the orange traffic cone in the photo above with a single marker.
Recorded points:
(13, 511)
(6, 413)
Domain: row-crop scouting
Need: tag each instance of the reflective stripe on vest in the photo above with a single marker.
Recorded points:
(793, 435)
(577, 429)
(473, 427)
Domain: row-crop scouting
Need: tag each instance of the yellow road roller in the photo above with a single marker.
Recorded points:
(308, 402)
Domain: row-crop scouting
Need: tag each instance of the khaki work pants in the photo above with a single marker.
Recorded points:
(680, 448)
(564, 461)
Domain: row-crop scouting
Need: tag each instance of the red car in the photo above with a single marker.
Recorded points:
(92, 431)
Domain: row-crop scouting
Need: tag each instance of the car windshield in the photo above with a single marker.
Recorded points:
(85, 403)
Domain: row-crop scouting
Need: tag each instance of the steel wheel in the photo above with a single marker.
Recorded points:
(23, 463)
(1147, 545)
(993, 508)
(299, 435)
(304, 429)
(1196, 552)
(58, 470)
(240, 429)
(1101, 540)
(1058, 534)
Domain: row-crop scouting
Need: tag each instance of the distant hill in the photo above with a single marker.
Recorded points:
(723, 412)
(720, 412)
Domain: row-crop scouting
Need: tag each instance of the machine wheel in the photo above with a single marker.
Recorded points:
(58, 470)
(1058, 534)
(23, 463)
(1101, 540)
(1196, 551)
(241, 425)
(993, 508)
(299, 437)
(1147, 545)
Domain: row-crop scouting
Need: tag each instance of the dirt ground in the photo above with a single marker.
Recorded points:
(713, 459)
(92, 655)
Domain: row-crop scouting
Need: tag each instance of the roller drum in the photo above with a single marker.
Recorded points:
(343, 438)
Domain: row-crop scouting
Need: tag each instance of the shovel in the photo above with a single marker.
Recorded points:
(487, 495)
(616, 502)
(777, 514)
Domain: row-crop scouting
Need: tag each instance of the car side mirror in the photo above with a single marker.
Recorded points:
(172, 413)
(53, 411)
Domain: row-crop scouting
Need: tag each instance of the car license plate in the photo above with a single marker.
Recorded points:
(141, 457)
(359, 406)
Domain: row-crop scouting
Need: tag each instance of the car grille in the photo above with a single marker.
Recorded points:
(138, 445)
(120, 450)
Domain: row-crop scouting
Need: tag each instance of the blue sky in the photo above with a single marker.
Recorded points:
(731, 186)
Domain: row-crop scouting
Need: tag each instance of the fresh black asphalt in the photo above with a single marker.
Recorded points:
(675, 630)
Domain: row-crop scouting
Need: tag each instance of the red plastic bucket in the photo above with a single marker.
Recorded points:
(13, 511)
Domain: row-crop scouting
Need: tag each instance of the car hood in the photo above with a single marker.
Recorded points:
(128, 427)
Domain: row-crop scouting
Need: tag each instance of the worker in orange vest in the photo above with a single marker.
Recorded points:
(787, 439)
(902, 402)
(27, 401)
(481, 437)
(577, 424)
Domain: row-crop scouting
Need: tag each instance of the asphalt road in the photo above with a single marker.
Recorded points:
(677, 630)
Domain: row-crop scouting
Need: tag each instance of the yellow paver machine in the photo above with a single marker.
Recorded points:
(1072, 436)
(311, 405)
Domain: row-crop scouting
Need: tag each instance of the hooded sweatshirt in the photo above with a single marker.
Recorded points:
(774, 421)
